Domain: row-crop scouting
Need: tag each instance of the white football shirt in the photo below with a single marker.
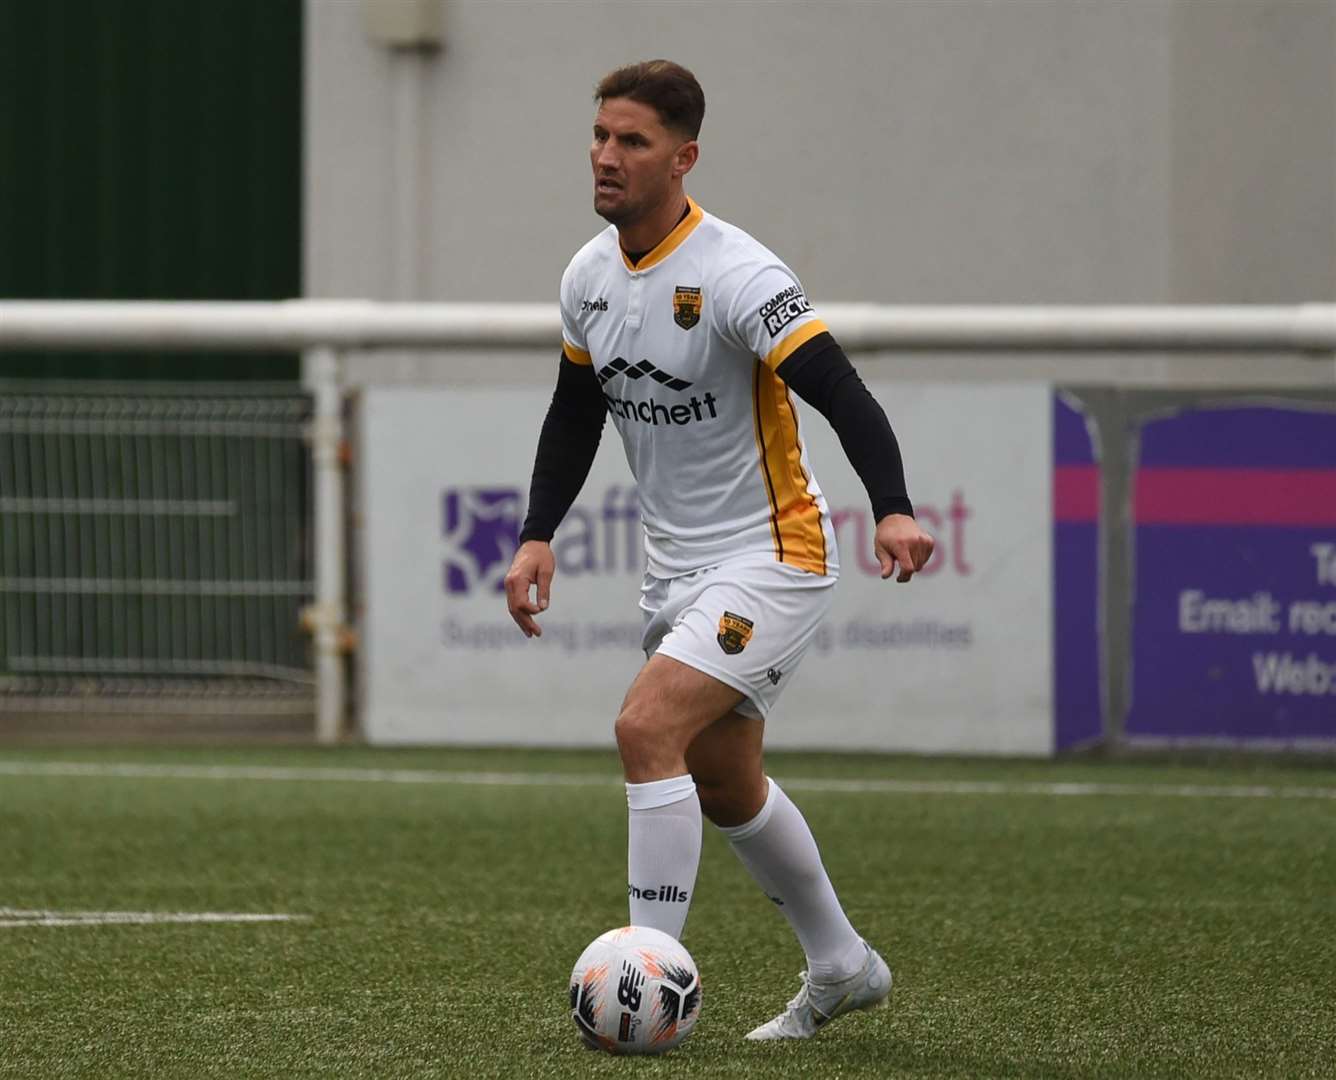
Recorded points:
(685, 345)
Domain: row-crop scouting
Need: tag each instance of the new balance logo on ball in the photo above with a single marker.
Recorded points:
(669, 894)
(628, 986)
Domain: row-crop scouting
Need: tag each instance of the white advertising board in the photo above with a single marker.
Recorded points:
(958, 660)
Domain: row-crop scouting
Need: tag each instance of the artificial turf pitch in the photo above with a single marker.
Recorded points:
(1154, 930)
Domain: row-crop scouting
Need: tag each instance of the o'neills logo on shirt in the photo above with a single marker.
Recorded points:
(782, 308)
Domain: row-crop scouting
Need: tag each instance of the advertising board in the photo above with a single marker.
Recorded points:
(959, 659)
(1234, 609)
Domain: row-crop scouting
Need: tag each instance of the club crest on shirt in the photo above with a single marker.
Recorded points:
(686, 306)
(734, 633)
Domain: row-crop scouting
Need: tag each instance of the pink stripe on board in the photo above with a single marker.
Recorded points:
(1076, 493)
(1235, 496)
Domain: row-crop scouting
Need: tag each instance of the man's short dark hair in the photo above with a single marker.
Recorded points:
(668, 88)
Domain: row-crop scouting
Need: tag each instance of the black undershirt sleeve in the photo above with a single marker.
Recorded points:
(820, 374)
(566, 448)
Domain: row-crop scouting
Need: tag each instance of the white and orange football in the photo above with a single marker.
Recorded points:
(635, 991)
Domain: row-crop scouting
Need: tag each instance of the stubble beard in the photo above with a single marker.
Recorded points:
(624, 214)
(630, 211)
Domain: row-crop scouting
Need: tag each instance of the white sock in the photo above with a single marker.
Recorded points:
(663, 852)
(777, 847)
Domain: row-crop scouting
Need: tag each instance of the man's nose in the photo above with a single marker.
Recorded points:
(607, 157)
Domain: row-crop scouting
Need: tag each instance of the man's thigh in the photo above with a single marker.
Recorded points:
(673, 711)
(674, 702)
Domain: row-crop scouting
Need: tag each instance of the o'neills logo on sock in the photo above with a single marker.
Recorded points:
(669, 894)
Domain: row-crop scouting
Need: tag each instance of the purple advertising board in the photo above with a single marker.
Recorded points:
(1077, 714)
(1234, 609)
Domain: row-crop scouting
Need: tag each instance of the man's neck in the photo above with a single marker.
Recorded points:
(646, 234)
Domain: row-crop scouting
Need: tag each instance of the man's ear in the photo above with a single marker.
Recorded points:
(685, 158)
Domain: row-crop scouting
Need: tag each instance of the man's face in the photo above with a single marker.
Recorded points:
(635, 159)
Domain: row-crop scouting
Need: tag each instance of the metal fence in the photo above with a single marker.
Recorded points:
(154, 539)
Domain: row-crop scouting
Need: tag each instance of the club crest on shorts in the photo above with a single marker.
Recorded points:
(686, 306)
(734, 633)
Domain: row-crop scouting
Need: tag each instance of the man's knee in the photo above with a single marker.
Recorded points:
(716, 800)
(628, 732)
(642, 741)
(730, 803)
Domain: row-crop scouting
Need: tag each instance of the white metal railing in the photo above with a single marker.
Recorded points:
(363, 324)
(325, 328)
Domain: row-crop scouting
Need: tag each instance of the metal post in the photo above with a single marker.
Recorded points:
(326, 616)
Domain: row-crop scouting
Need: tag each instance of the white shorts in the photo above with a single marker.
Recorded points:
(747, 623)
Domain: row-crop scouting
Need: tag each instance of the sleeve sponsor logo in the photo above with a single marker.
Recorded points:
(782, 308)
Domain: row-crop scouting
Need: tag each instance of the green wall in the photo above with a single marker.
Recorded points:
(150, 149)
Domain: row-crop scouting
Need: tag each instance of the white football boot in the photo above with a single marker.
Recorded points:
(819, 1003)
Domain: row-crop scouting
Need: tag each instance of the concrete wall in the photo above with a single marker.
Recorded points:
(918, 151)
(1252, 165)
(911, 151)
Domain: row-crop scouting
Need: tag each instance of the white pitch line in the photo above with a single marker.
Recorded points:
(15, 917)
(130, 770)
(266, 772)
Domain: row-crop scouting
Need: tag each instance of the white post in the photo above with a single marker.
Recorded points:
(326, 616)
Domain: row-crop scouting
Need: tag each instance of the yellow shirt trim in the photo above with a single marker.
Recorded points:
(671, 242)
(795, 517)
(793, 342)
(574, 355)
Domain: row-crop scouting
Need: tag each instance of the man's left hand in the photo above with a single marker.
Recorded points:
(900, 542)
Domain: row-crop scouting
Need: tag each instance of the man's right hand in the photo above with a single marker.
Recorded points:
(533, 565)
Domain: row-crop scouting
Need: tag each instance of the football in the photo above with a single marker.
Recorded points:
(635, 991)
